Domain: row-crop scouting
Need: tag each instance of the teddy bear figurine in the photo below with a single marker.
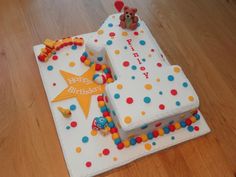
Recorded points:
(128, 19)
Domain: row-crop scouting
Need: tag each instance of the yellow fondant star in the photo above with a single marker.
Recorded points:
(80, 87)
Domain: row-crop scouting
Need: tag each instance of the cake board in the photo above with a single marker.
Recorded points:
(88, 153)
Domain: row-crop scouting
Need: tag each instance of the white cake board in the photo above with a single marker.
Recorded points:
(71, 138)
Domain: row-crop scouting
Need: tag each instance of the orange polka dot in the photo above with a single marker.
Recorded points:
(100, 32)
(124, 33)
(190, 98)
(148, 86)
(143, 113)
(72, 64)
(93, 132)
(91, 53)
(115, 158)
(100, 154)
(158, 80)
(176, 69)
(119, 86)
(78, 149)
(148, 146)
(117, 52)
(127, 119)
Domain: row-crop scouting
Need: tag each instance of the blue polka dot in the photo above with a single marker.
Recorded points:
(117, 95)
(115, 77)
(117, 141)
(85, 54)
(177, 103)
(147, 99)
(50, 68)
(185, 84)
(133, 67)
(109, 42)
(132, 141)
(161, 93)
(172, 138)
(110, 25)
(138, 24)
(144, 126)
(190, 128)
(133, 77)
(154, 143)
(166, 130)
(85, 139)
(72, 107)
(143, 59)
(142, 42)
(125, 47)
(67, 127)
(73, 47)
(171, 78)
(99, 58)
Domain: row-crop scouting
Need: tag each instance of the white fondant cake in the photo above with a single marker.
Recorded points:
(147, 90)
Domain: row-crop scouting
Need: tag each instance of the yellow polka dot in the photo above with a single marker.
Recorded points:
(143, 113)
(161, 132)
(176, 69)
(158, 79)
(124, 33)
(117, 52)
(148, 86)
(78, 149)
(91, 53)
(119, 86)
(100, 154)
(72, 64)
(190, 98)
(126, 143)
(128, 119)
(115, 158)
(93, 132)
(148, 146)
(100, 32)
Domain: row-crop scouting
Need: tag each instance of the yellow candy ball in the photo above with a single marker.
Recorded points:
(104, 66)
(161, 132)
(115, 136)
(109, 80)
(101, 103)
(177, 125)
(87, 62)
(126, 143)
(193, 119)
(144, 137)
(109, 119)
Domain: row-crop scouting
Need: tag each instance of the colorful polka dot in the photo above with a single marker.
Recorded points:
(142, 68)
(147, 99)
(125, 47)
(196, 128)
(73, 124)
(176, 69)
(177, 103)
(99, 58)
(115, 158)
(160, 93)
(124, 33)
(106, 151)
(125, 63)
(129, 100)
(54, 84)
(172, 138)
(158, 79)
(143, 59)
(85, 139)
(171, 78)
(110, 25)
(72, 64)
(100, 32)
(88, 164)
(67, 127)
(78, 149)
(109, 42)
(148, 146)
(55, 57)
(161, 106)
(93, 132)
(190, 98)
(72, 107)
(133, 77)
(142, 42)
(148, 86)
(73, 47)
(153, 143)
(190, 128)
(185, 84)
(143, 113)
(117, 52)
(127, 119)
(136, 33)
(133, 67)
(119, 86)
(159, 64)
(117, 96)
(173, 92)
(50, 68)
(112, 34)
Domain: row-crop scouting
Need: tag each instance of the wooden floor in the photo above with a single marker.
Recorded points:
(199, 35)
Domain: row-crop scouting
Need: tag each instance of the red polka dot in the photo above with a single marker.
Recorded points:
(196, 128)
(125, 63)
(152, 50)
(73, 124)
(55, 57)
(95, 40)
(161, 106)
(142, 68)
(88, 164)
(173, 92)
(129, 100)
(136, 33)
(111, 34)
(54, 84)
(158, 124)
(106, 151)
(159, 64)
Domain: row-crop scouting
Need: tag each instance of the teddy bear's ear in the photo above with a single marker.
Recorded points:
(126, 7)
(135, 10)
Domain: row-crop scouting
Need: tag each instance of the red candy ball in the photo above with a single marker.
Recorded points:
(138, 139)
(98, 67)
(188, 122)
(105, 114)
(120, 146)
(82, 58)
(155, 133)
(113, 130)
(172, 128)
(100, 98)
